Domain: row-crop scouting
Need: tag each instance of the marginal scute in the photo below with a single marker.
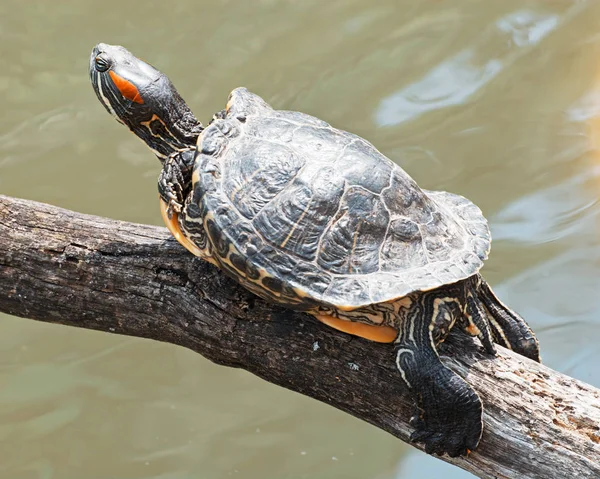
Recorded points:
(309, 277)
(312, 217)
(343, 287)
(248, 242)
(379, 290)
(273, 284)
(220, 244)
(244, 266)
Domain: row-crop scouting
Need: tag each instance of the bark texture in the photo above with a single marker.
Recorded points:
(64, 267)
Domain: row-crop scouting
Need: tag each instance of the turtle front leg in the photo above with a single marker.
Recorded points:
(449, 411)
(508, 328)
(176, 207)
(175, 180)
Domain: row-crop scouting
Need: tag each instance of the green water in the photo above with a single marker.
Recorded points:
(498, 101)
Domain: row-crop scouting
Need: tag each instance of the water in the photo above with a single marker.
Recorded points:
(498, 101)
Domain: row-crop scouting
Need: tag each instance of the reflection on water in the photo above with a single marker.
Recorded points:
(558, 212)
(456, 80)
(497, 101)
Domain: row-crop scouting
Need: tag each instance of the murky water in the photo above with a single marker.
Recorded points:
(498, 101)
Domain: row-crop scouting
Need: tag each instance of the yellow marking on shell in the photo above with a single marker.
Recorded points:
(354, 240)
(260, 287)
(301, 293)
(227, 259)
(173, 226)
(287, 238)
(238, 188)
(380, 334)
(195, 176)
(262, 273)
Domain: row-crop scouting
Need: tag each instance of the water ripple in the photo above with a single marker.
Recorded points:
(456, 80)
(556, 212)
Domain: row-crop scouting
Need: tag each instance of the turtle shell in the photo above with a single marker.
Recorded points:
(305, 214)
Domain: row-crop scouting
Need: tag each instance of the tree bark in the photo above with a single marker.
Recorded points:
(63, 267)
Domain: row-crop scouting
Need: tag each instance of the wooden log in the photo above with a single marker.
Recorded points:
(64, 267)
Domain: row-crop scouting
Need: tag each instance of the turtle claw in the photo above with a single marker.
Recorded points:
(455, 438)
(174, 206)
(172, 184)
(417, 422)
(448, 417)
(435, 444)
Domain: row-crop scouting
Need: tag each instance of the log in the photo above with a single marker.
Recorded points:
(64, 267)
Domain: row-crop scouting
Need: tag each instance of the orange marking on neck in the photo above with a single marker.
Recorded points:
(127, 89)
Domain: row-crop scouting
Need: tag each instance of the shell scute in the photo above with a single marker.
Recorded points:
(352, 243)
(296, 219)
(321, 216)
(362, 165)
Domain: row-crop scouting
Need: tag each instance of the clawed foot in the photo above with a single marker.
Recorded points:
(448, 417)
(454, 437)
(449, 412)
(174, 181)
(170, 196)
(509, 329)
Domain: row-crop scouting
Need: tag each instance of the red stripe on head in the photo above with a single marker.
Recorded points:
(127, 89)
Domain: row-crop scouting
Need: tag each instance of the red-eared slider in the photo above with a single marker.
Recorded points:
(316, 219)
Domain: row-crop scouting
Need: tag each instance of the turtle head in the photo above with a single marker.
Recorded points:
(143, 99)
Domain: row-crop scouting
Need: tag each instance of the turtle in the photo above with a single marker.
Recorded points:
(316, 219)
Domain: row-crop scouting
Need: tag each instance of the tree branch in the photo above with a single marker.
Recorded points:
(64, 267)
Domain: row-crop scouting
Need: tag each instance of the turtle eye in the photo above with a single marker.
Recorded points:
(102, 64)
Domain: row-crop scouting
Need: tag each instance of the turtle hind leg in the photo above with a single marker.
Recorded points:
(477, 323)
(449, 411)
(508, 328)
